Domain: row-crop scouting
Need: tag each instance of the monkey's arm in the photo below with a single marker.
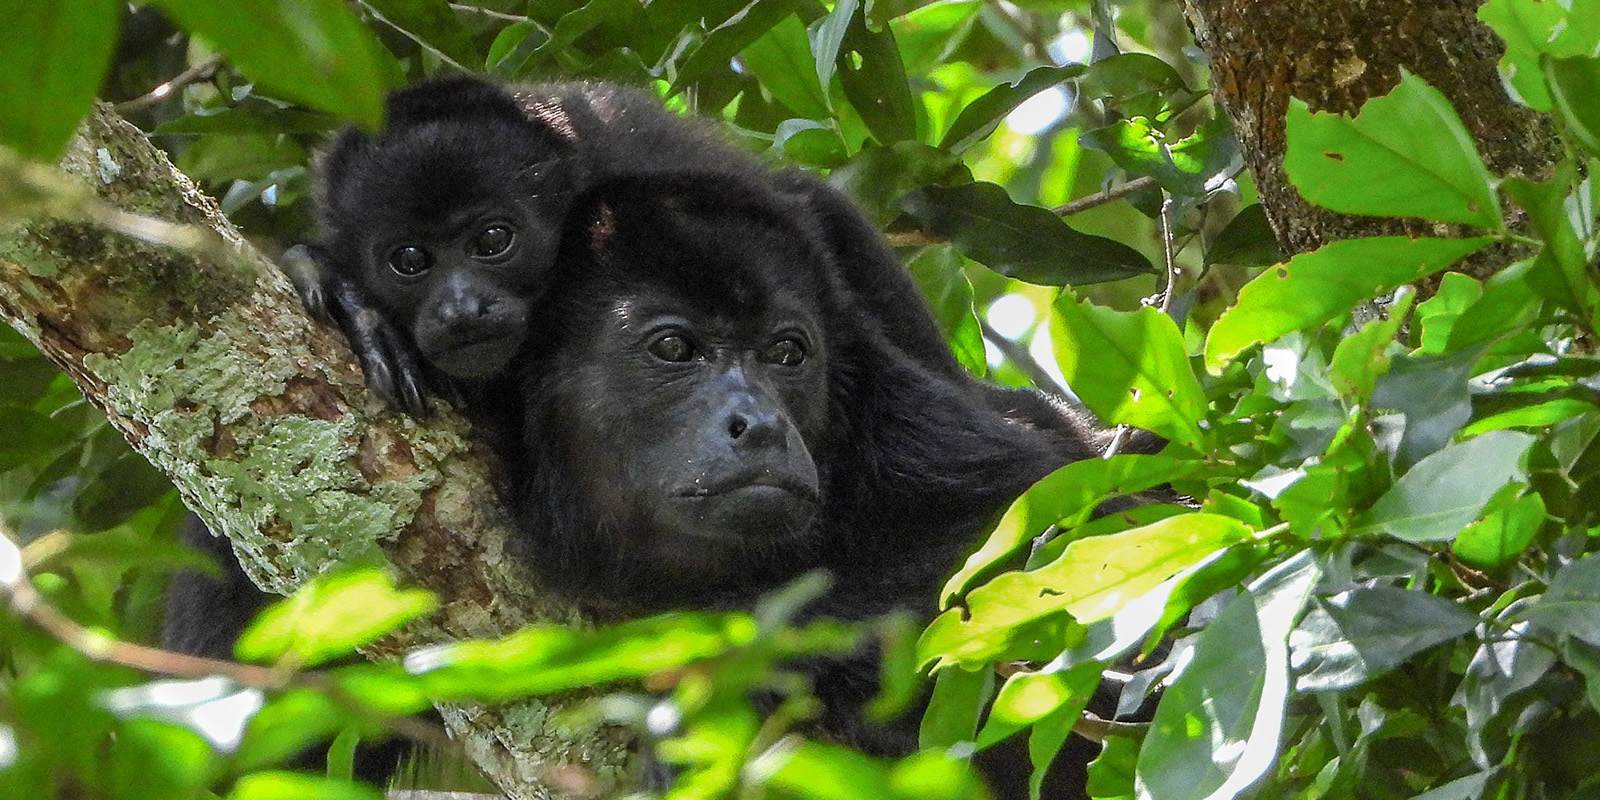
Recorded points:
(388, 359)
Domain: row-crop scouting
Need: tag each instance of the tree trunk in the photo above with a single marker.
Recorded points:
(1337, 54)
(213, 372)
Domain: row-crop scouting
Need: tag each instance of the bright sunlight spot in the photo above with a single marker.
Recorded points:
(1038, 112)
(1011, 316)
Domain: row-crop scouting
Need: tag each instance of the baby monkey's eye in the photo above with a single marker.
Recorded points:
(786, 352)
(673, 348)
(493, 241)
(410, 260)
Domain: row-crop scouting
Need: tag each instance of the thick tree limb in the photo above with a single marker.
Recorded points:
(213, 372)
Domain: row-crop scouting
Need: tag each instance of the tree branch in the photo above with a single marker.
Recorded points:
(210, 368)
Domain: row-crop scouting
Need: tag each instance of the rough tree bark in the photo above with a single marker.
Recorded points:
(213, 372)
(1335, 56)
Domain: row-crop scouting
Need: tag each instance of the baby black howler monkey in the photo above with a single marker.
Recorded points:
(436, 230)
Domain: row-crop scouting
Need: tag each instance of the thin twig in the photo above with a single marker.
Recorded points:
(99, 646)
(1110, 195)
(194, 74)
(487, 12)
(1097, 729)
(1169, 257)
(1018, 356)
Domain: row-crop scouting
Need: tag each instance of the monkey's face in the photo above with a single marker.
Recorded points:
(464, 292)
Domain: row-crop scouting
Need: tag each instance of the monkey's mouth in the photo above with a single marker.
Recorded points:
(762, 484)
(474, 353)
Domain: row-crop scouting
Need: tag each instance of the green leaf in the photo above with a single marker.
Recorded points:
(1129, 367)
(1571, 606)
(331, 617)
(958, 699)
(809, 142)
(1069, 491)
(1219, 725)
(1028, 243)
(1315, 287)
(1535, 28)
(1111, 774)
(158, 761)
(827, 36)
(543, 659)
(781, 58)
(432, 24)
(1574, 84)
(1432, 393)
(1353, 637)
(314, 52)
(1018, 614)
(1445, 492)
(933, 776)
(1247, 241)
(730, 37)
(1538, 415)
(1509, 304)
(940, 278)
(53, 56)
(874, 79)
(1364, 355)
(1406, 155)
(878, 177)
(1502, 536)
(1028, 697)
(1138, 85)
(1438, 314)
(294, 786)
(980, 117)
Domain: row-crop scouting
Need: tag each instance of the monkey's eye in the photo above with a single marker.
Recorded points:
(410, 260)
(785, 352)
(672, 347)
(493, 241)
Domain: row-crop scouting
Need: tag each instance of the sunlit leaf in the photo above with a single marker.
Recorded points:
(1219, 724)
(1502, 536)
(979, 118)
(295, 786)
(1129, 367)
(1571, 606)
(1314, 287)
(1535, 28)
(332, 616)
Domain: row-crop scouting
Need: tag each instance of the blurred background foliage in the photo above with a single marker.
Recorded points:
(1382, 583)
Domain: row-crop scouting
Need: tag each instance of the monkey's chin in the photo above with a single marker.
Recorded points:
(474, 360)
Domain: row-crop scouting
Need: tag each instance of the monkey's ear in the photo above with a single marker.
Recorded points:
(454, 99)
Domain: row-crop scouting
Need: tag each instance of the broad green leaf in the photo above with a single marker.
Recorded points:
(1501, 536)
(287, 725)
(1571, 606)
(827, 35)
(980, 117)
(958, 699)
(314, 52)
(1432, 393)
(1219, 725)
(730, 37)
(878, 177)
(1438, 314)
(1247, 241)
(1092, 580)
(1406, 155)
(1129, 367)
(1138, 85)
(1364, 355)
(1535, 28)
(1538, 415)
(432, 24)
(1314, 287)
(809, 142)
(1508, 304)
(874, 80)
(295, 786)
(1028, 697)
(53, 56)
(933, 776)
(939, 276)
(1028, 243)
(781, 58)
(543, 659)
(1069, 491)
(155, 760)
(331, 617)
(1574, 84)
(1445, 492)
(1349, 639)
(816, 771)
(1111, 774)
(1562, 272)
